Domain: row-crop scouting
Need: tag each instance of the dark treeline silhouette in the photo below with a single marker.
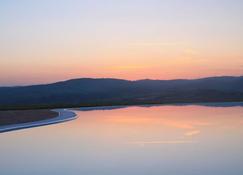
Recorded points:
(108, 92)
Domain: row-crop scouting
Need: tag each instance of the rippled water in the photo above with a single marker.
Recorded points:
(170, 140)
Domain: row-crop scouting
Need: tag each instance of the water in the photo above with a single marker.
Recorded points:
(170, 140)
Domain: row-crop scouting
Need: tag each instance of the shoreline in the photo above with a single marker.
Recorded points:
(208, 104)
(64, 115)
(50, 107)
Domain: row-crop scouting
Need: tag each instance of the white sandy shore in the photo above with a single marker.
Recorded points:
(63, 116)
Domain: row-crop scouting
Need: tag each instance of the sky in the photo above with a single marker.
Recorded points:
(51, 40)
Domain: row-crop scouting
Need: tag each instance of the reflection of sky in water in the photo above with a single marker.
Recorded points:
(187, 140)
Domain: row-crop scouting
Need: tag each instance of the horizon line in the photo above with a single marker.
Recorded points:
(99, 78)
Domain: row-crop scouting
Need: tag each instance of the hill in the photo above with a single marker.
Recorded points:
(98, 92)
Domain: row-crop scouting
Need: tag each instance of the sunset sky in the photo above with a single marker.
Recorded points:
(50, 40)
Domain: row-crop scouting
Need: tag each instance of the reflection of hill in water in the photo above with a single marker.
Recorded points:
(100, 108)
(225, 104)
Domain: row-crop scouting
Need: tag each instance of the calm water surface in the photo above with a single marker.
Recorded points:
(170, 140)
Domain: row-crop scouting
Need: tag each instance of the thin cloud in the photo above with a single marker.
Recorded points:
(154, 44)
(162, 142)
(131, 67)
(191, 51)
(192, 133)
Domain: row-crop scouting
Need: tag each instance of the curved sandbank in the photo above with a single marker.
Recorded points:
(63, 116)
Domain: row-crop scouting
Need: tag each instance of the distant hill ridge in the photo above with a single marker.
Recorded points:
(108, 91)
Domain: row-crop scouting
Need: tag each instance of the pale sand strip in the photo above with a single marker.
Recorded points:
(63, 116)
